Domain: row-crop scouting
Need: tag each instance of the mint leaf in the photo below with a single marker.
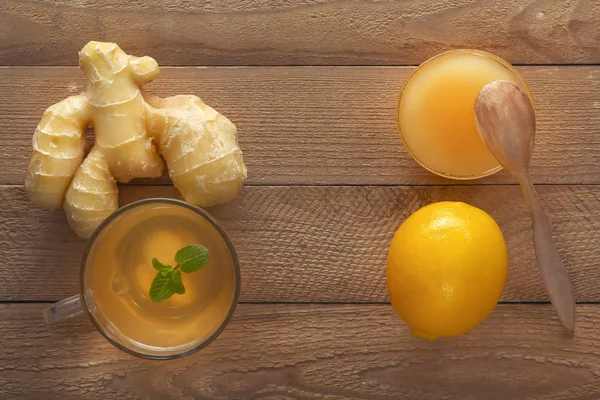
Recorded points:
(168, 280)
(191, 258)
(160, 267)
(160, 289)
(176, 284)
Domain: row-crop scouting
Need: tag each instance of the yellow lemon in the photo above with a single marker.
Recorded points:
(446, 269)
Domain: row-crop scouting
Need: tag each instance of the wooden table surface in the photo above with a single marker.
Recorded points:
(312, 86)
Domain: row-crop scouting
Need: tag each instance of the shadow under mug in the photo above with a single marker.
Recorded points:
(84, 303)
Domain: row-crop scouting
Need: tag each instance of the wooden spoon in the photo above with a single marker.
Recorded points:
(506, 123)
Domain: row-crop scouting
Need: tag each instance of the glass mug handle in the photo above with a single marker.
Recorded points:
(67, 308)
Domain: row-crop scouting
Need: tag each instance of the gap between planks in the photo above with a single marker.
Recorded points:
(351, 185)
(323, 303)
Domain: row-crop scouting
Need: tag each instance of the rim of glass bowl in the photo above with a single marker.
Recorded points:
(230, 247)
(499, 60)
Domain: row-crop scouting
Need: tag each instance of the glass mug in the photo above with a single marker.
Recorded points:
(436, 117)
(116, 274)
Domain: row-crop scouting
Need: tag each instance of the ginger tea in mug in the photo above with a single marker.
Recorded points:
(117, 274)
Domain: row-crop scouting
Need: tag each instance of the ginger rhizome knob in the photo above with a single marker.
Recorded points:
(132, 130)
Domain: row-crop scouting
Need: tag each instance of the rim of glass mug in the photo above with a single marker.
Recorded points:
(78, 304)
(501, 61)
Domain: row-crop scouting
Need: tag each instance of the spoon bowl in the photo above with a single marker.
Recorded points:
(508, 128)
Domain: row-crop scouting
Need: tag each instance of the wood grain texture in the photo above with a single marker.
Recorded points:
(307, 32)
(311, 352)
(315, 244)
(322, 125)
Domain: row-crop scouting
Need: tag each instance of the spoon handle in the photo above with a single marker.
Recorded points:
(553, 271)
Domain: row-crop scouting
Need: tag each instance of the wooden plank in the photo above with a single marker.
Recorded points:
(321, 125)
(315, 244)
(325, 32)
(311, 352)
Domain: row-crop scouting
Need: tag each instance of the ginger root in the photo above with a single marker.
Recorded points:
(131, 128)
